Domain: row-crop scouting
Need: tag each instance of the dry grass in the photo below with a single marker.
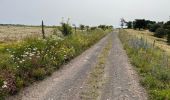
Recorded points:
(159, 42)
(13, 33)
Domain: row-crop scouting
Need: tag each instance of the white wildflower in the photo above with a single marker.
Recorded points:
(4, 85)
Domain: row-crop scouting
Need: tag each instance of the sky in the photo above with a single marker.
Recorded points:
(87, 12)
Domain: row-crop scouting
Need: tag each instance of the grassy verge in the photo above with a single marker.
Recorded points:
(159, 42)
(151, 63)
(96, 78)
(34, 59)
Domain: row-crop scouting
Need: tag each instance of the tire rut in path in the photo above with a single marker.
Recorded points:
(122, 82)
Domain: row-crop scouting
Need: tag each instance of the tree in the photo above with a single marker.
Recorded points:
(87, 28)
(168, 37)
(154, 27)
(103, 27)
(93, 28)
(160, 32)
(82, 27)
(167, 25)
(139, 23)
(129, 25)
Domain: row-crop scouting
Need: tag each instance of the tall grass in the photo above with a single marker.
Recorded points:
(34, 59)
(151, 63)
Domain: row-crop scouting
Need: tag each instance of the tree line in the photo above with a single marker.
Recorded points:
(160, 29)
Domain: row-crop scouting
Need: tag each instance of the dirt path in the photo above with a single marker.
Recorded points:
(120, 80)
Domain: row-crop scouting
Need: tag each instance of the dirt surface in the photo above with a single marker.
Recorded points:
(120, 80)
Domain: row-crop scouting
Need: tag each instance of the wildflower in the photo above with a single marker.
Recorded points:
(4, 85)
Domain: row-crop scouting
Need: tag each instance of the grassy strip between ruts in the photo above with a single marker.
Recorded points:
(34, 59)
(96, 78)
(151, 63)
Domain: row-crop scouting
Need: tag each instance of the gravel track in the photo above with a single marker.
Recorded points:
(67, 82)
(121, 81)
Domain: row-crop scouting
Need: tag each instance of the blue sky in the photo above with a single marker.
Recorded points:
(89, 12)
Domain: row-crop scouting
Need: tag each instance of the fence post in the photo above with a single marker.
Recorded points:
(43, 32)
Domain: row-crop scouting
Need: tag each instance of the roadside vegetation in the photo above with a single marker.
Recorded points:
(35, 58)
(159, 29)
(151, 63)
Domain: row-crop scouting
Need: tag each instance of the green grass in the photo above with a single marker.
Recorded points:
(151, 63)
(33, 59)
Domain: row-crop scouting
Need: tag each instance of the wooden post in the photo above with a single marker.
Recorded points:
(43, 32)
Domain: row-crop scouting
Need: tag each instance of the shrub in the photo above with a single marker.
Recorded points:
(160, 32)
(39, 73)
(168, 37)
(154, 27)
(66, 29)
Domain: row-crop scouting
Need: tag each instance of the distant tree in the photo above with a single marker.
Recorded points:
(87, 28)
(154, 27)
(160, 32)
(93, 28)
(149, 23)
(139, 23)
(167, 25)
(129, 25)
(168, 37)
(110, 27)
(103, 27)
(82, 27)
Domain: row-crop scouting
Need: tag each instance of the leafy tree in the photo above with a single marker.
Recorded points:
(139, 23)
(160, 32)
(168, 37)
(82, 27)
(167, 25)
(87, 28)
(129, 24)
(93, 28)
(154, 27)
(103, 27)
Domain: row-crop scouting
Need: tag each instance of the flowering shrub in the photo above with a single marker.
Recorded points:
(33, 59)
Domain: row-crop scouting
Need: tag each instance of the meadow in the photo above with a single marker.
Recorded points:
(33, 58)
(150, 61)
(149, 37)
(10, 33)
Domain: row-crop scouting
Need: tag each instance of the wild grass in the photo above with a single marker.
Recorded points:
(159, 42)
(35, 58)
(151, 63)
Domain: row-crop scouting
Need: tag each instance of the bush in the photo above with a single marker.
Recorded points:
(160, 32)
(168, 37)
(66, 29)
(39, 73)
(154, 27)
